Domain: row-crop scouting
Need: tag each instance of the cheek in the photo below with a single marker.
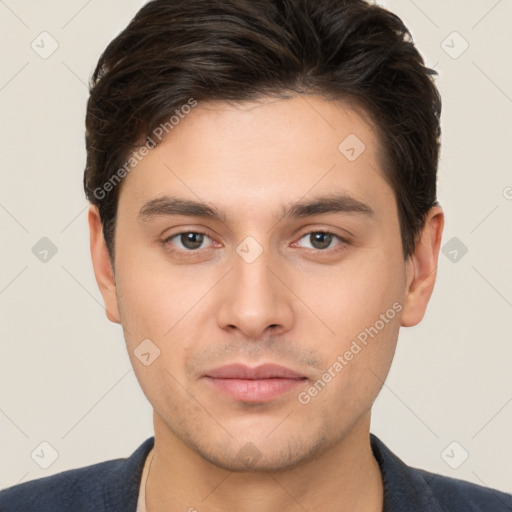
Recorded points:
(353, 295)
(361, 302)
(155, 297)
(159, 306)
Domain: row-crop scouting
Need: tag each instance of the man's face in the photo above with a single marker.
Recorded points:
(260, 286)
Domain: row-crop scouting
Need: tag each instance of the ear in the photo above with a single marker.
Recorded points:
(102, 266)
(421, 268)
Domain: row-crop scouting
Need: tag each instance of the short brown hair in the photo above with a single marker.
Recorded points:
(175, 50)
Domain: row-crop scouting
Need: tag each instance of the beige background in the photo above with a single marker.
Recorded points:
(65, 376)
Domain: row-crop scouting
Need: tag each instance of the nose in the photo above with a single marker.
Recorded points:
(254, 300)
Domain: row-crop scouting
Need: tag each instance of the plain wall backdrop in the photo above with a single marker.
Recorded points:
(65, 376)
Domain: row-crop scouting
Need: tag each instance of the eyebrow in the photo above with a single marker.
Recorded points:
(340, 203)
(343, 203)
(166, 206)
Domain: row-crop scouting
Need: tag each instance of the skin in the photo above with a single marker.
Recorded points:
(296, 305)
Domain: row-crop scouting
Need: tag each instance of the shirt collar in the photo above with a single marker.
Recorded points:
(404, 487)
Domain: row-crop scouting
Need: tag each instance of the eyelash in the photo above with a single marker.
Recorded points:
(188, 252)
(341, 245)
(192, 252)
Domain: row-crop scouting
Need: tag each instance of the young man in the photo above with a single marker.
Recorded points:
(264, 219)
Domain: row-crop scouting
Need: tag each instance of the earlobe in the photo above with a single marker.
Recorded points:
(102, 265)
(421, 268)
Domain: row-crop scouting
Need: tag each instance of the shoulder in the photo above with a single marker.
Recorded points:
(408, 488)
(77, 487)
(456, 494)
(111, 485)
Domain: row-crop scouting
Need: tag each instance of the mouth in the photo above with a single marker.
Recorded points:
(255, 385)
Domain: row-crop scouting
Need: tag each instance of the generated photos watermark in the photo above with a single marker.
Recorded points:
(151, 142)
(361, 341)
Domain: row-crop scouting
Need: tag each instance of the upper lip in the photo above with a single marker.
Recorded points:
(264, 371)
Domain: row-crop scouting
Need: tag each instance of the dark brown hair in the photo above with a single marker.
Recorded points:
(177, 51)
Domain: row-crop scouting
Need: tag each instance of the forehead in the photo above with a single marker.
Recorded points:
(307, 125)
(267, 151)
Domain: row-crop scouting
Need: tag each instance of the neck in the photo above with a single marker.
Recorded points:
(346, 477)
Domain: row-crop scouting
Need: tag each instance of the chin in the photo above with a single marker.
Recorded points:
(263, 456)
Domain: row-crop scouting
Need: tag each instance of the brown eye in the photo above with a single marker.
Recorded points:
(191, 240)
(188, 241)
(320, 240)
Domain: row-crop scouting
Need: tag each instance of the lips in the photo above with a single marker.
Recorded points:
(265, 371)
(254, 385)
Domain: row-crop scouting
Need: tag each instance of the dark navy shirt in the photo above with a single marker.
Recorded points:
(113, 486)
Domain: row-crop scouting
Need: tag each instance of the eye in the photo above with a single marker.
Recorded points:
(321, 240)
(188, 240)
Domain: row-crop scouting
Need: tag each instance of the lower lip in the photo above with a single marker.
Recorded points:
(257, 390)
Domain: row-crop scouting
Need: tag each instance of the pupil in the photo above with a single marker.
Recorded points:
(321, 240)
(192, 240)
